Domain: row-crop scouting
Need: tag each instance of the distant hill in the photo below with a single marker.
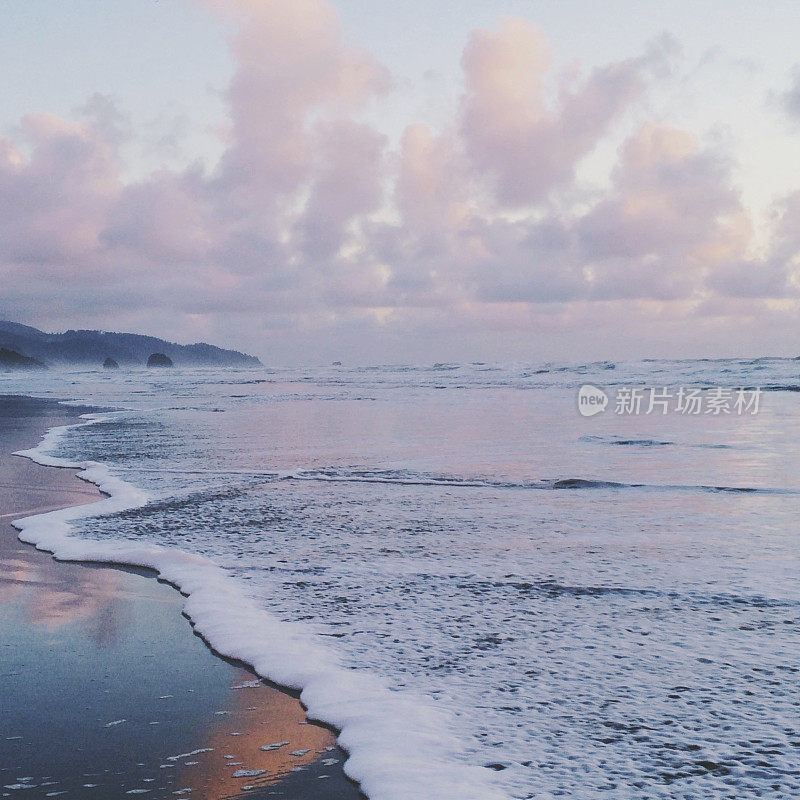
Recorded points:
(87, 347)
(11, 359)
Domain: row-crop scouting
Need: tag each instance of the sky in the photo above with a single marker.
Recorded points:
(501, 180)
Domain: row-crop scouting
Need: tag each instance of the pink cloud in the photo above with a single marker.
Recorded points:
(673, 210)
(55, 189)
(310, 221)
(524, 145)
(292, 63)
(776, 274)
(162, 218)
(347, 184)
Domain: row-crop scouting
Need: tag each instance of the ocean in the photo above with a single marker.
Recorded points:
(489, 593)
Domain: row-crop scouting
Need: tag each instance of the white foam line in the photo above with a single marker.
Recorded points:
(246, 472)
(301, 476)
(400, 745)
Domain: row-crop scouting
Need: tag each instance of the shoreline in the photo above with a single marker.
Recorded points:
(84, 638)
(398, 744)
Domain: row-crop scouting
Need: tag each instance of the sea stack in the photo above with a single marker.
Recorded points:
(110, 363)
(159, 360)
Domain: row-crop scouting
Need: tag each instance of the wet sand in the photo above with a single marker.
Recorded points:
(104, 690)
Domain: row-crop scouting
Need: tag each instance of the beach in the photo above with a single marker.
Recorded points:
(105, 690)
(400, 401)
(486, 593)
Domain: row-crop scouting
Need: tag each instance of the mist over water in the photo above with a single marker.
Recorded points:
(607, 605)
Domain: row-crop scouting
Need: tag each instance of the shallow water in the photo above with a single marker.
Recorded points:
(606, 606)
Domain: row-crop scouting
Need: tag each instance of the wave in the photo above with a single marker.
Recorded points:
(408, 478)
(583, 483)
(643, 442)
(399, 743)
(551, 589)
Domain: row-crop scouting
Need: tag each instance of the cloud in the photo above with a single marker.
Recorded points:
(313, 225)
(790, 99)
(56, 184)
(163, 219)
(776, 274)
(523, 144)
(672, 214)
(292, 64)
(347, 184)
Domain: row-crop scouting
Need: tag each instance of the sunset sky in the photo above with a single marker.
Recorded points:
(374, 181)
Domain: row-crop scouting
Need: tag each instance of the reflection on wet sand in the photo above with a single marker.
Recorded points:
(60, 597)
(257, 716)
(60, 594)
(104, 656)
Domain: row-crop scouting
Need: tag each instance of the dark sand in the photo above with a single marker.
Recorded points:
(102, 683)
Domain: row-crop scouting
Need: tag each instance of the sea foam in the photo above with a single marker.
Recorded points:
(400, 744)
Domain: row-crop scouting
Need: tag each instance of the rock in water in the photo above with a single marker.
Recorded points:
(109, 363)
(159, 360)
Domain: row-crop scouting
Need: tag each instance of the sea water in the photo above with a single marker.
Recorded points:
(489, 593)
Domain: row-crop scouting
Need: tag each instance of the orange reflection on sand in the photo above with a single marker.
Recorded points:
(257, 716)
(55, 595)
